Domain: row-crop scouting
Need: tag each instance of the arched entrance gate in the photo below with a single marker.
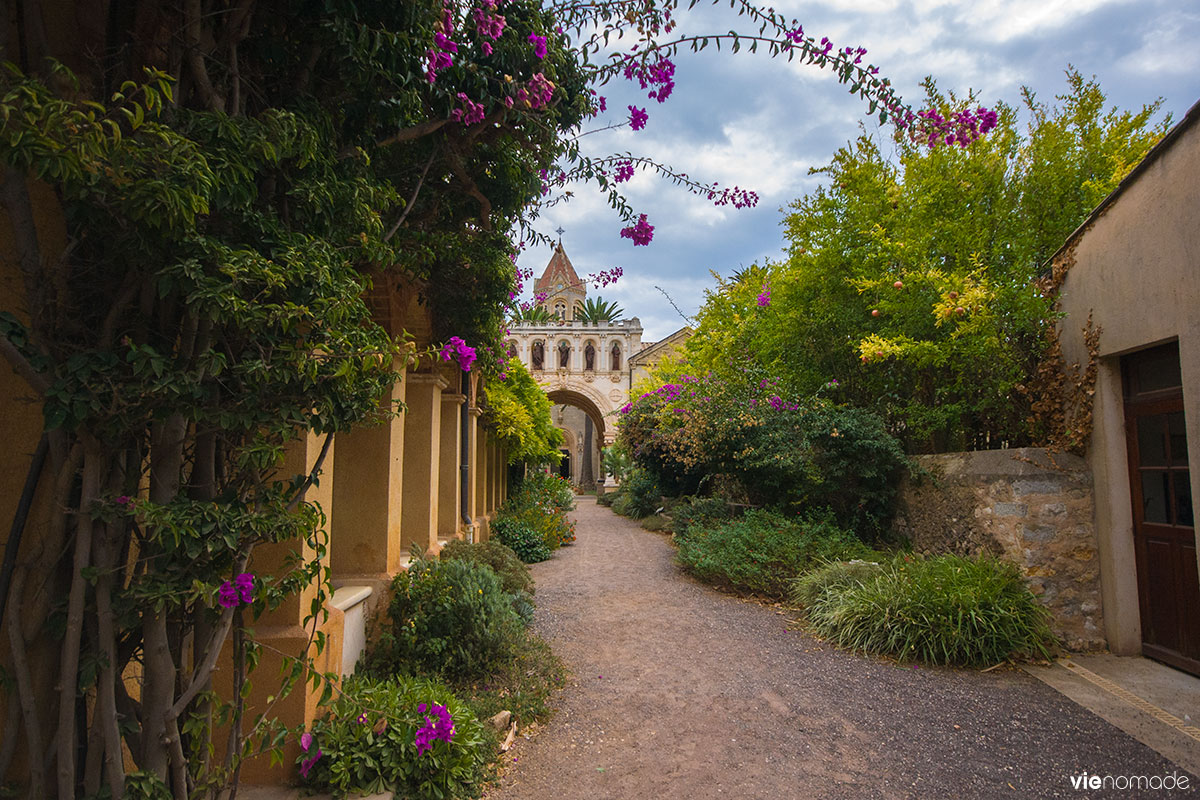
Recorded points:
(585, 432)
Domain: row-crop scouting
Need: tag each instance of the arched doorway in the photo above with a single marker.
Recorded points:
(582, 423)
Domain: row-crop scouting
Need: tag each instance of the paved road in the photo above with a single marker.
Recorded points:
(679, 691)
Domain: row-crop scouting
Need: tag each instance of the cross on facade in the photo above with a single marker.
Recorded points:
(560, 232)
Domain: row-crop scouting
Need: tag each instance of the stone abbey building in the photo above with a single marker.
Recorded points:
(583, 366)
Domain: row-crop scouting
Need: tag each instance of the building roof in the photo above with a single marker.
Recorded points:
(652, 350)
(558, 271)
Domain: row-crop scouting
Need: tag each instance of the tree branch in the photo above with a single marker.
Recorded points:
(413, 199)
(460, 172)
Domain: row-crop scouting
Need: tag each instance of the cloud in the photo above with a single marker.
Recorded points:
(1005, 20)
(1168, 47)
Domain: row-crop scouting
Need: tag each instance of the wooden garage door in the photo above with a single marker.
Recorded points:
(1163, 522)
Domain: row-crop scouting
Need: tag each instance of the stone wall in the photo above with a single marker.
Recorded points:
(1022, 506)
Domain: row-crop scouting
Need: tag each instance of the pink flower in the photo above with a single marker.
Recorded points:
(624, 171)
(641, 233)
(539, 45)
(307, 764)
(458, 350)
(637, 118)
(764, 299)
(541, 89)
(239, 590)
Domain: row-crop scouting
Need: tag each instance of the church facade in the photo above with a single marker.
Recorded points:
(585, 367)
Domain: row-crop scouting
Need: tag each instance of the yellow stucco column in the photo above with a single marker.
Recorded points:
(481, 483)
(422, 454)
(449, 475)
(282, 630)
(365, 538)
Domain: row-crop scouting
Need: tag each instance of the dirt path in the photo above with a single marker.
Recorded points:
(679, 691)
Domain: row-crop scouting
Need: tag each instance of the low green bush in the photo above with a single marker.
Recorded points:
(450, 618)
(607, 498)
(762, 551)
(368, 742)
(657, 523)
(943, 610)
(641, 496)
(699, 512)
(521, 537)
(522, 683)
(824, 582)
(513, 573)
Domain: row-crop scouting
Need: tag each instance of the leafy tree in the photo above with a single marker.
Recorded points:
(913, 281)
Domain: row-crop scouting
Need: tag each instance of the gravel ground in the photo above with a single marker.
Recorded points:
(679, 691)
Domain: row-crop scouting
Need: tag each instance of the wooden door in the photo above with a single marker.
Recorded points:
(1163, 521)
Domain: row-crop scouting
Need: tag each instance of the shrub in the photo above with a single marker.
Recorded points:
(450, 618)
(513, 573)
(699, 512)
(607, 498)
(521, 538)
(763, 551)
(523, 683)
(551, 492)
(657, 523)
(817, 585)
(943, 610)
(642, 495)
(368, 742)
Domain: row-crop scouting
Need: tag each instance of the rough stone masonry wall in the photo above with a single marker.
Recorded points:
(1038, 517)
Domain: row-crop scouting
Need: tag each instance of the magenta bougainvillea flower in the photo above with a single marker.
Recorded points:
(306, 742)
(457, 349)
(441, 728)
(764, 299)
(238, 591)
(539, 45)
(641, 233)
(637, 118)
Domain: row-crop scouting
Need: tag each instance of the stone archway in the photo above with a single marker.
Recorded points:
(583, 444)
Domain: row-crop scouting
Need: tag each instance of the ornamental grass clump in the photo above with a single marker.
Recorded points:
(407, 735)
(943, 610)
(762, 551)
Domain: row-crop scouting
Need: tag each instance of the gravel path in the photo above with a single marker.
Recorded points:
(679, 691)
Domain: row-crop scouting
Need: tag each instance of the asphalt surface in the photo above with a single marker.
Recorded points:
(680, 691)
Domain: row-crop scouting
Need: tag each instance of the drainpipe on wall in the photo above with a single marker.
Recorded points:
(464, 469)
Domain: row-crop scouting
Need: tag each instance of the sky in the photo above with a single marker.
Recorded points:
(762, 124)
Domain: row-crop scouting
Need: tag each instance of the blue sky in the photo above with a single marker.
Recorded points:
(759, 123)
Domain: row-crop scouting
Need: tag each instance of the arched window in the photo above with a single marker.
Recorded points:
(560, 310)
(511, 349)
(616, 356)
(589, 357)
(538, 359)
(564, 354)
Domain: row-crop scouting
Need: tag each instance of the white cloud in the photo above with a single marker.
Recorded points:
(1169, 47)
(1005, 20)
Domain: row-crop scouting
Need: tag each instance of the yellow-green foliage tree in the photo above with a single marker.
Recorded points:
(912, 280)
(519, 412)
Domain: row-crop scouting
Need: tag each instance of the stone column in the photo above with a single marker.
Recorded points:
(481, 483)
(365, 540)
(283, 630)
(449, 477)
(422, 451)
